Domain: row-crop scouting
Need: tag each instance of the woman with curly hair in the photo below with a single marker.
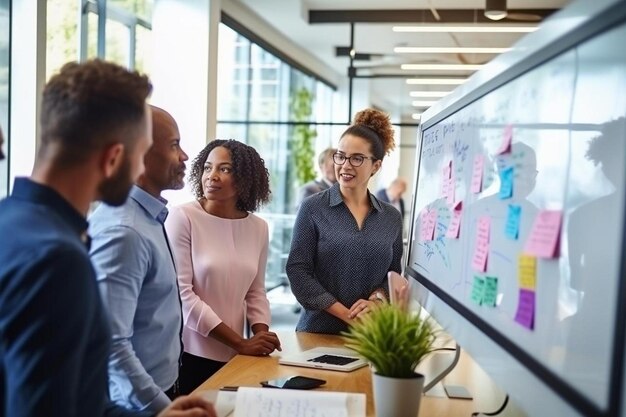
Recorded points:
(345, 240)
(221, 253)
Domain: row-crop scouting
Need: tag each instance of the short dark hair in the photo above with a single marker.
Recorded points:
(85, 106)
(325, 155)
(252, 179)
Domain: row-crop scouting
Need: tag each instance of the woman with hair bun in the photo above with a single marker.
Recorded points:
(221, 253)
(345, 240)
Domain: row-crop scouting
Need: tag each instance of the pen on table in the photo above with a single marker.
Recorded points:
(229, 388)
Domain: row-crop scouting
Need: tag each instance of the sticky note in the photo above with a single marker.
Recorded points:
(428, 223)
(506, 183)
(477, 174)
(455, 222)
(511, 227)
(478, 287)
(545, 234)
(481, 248)
(507, 137)
(525, 314)
(527, 272)
(490, 294)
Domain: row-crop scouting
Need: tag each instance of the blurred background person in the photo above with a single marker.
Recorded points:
(136, 275)
(327, 170)
(345, 240)
(221, 250)
(393, 194)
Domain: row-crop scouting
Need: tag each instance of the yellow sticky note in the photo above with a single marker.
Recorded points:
(527, 271)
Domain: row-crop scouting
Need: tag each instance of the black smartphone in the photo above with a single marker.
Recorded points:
(294, 382)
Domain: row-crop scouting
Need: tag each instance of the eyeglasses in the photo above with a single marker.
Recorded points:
(355, 160)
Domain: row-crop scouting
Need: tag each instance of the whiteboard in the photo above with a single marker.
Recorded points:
(566, 120)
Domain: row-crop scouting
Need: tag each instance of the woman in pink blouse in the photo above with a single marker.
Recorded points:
(220, 249)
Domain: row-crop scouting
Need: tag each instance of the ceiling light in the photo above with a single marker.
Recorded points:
(436, 81)
(495, 9)
(465, 29)
(416, 116)
(451, 50)
(445, 67)
(429, 94)
(423, 103)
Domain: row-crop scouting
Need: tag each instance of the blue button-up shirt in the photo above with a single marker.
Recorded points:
(332, 260)
(137, 279)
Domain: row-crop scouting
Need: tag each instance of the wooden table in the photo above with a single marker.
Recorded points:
(248, 371)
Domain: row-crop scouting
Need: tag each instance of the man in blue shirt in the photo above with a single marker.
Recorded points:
(54, 336)
(137, 277)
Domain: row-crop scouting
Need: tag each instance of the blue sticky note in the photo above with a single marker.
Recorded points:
(506, 183)
(511, 228)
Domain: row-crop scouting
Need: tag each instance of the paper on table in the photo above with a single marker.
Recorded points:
(264, 402)
(477, 174)
(545, 234)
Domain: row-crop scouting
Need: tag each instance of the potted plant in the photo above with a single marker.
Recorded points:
(394, 341)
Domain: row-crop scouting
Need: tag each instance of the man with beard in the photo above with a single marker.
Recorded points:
(137, 278)
(54, 335)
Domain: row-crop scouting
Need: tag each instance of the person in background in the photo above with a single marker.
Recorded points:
(221, 249)
(345, 240)
(327, 168)
(393, 194)
(137, 277)
(54, 334)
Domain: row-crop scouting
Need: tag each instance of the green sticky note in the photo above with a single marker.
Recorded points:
(478, 288)
(490, 293)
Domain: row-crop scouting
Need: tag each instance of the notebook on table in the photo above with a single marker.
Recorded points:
(329, 358)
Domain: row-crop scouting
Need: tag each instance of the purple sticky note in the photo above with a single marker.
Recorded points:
(481, 249)
(526, 309)
(507, 137)
(545, 234)
(455, 223)
(477, 174)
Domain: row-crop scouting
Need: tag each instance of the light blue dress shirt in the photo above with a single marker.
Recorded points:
(137, 280)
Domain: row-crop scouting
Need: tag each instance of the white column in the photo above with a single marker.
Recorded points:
(184, 71)
(28, 68)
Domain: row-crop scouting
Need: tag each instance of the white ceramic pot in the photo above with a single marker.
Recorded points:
(397, 397)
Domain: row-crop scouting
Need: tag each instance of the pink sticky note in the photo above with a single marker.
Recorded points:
(455, 223)
(507, 137)
(545, 234)
(477, 174)
(481, 250)
(526, 309)
(428, 223)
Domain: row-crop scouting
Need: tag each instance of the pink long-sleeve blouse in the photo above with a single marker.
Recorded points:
(221, 275)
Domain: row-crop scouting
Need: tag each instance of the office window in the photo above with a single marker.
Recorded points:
(62, 34)
(5, 41)
(255, 94)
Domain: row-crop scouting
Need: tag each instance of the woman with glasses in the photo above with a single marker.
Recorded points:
(345, 240)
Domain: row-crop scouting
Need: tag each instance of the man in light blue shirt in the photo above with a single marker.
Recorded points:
(137, 278)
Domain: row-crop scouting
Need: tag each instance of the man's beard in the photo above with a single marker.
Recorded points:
(114, 191)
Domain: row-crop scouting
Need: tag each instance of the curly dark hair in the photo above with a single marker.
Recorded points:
(252, 180)
(375, 127)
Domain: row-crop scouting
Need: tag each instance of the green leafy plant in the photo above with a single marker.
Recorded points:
(303, 149)
(392, 339)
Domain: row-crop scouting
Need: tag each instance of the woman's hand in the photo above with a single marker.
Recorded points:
(189, 406)
(261, 344)
(361, 308)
